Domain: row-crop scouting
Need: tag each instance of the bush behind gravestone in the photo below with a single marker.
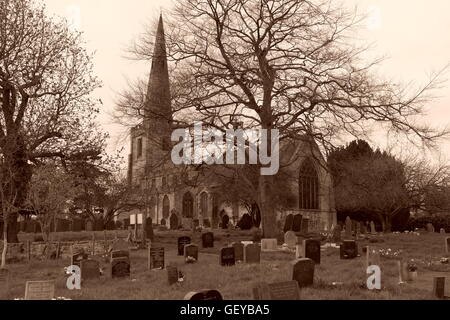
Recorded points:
(438, 221)
(246, 222)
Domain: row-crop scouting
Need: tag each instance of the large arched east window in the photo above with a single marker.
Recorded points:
(308, 186)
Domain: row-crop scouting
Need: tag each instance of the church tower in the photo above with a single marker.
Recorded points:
(150, 142)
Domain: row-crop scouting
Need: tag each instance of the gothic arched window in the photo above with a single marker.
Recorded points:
(308, 186)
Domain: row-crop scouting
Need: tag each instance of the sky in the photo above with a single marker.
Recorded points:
(412, 34)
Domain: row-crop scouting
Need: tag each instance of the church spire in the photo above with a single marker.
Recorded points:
(158, 111)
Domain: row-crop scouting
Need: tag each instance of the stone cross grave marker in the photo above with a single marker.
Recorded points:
(204, 295)
(252, 253)
(288, 223)
(349, 249)
(238, 251)
(227, 257)
(287, 290)
(290, 238)
(303, 272)
(208, 240)
(157, 258)
(269, 244)
(191, 253)
(182, 241)
(90, 269)
(311, 250)
(40, 290)
(120, 267)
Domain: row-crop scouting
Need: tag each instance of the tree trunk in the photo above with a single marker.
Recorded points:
(5, 244)
(268, 214)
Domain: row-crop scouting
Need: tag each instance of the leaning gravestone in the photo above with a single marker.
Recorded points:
(227, 257)
(208, 240)
(311, 250)
(288, 223)
(287, 290)
(120, 268)
(191, 253)
(157, 258)
(290, 238)
(348, 228)
(40, 290)
(269, 244)
(204, 295)
(182, 241)
(252, 253)
(297, 223)
(90, 269)
(173, 220)
(238, 251)
(303, 272)
(349, 249)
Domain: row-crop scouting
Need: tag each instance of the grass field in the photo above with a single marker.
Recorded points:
(237, 282)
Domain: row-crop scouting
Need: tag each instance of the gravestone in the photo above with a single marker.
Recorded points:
(430, 228)
(191, 253)
(305, 226)
(40, 290)
(76, 258)
(204, 295)
(174, 225)
(172, 275)
(297, 223)
(182, 241)
(269, 244)
(208, 240)
(157, 258)
(288, 223)
(348, 228)
(290, 238)
(439, 287)
(442, 231)
(120, 268)
(90, 269)
(225, 221)
(227, 257)
(238, 251)
(349, 249)
(299, 251)
(311, 250)
(120, 254)
(337, 232)
(303, 272)
(404, 274)
(4, 283)
(372, 228)
(252, 253)
(287, 290)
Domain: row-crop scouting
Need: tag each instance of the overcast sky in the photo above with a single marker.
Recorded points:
(413, 34)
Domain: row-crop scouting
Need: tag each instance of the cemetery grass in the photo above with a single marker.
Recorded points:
(335, 279)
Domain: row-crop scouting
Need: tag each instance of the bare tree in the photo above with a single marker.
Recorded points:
(46, 83)
(290, 65)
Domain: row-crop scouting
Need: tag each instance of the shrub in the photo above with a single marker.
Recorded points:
(438, 221)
